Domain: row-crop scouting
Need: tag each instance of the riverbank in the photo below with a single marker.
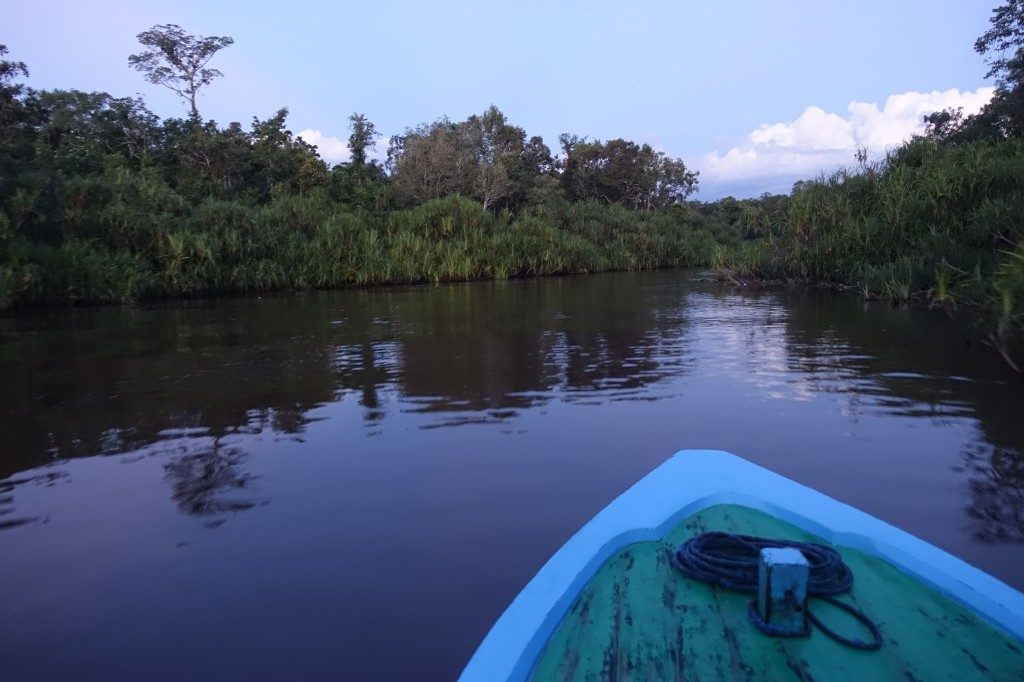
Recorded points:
(844, 232)
(939, 223)
(936, 220)
(101, 201)
(309, 243)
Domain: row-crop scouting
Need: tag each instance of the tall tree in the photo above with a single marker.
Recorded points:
(492, 141)
(623, 172)
(9, 70)
(15, 141)
(430, 161)
(1007, 105)
(178, 60)
(1002, 46)
(16, 152)
(1004, 40)
(484, 157)
(363, 137)
(283, 162)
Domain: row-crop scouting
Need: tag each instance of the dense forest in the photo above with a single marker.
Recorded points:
(102, 201)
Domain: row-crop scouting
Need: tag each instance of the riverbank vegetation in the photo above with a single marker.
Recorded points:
(932, 222)
(939, 219)
(102, 201)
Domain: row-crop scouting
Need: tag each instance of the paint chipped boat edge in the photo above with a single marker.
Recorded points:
(692, 480)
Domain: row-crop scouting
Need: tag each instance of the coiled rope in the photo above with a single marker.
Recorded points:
(732, 561)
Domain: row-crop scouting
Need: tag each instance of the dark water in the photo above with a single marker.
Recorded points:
(354, 485)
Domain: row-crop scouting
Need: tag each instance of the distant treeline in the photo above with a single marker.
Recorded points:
(102, 201)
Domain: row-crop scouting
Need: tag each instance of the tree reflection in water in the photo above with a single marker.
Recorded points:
(9, 517)
(193, 374)
(922, 365)
(997, 492)
(211, 482)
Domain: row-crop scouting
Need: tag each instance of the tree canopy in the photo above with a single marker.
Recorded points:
(1003, 41)
(620, 171)
(484, 157)
(178, 60)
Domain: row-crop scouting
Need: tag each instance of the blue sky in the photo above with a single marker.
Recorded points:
(754, 94)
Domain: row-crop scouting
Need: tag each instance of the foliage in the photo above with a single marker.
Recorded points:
(623, 172)
(1004, 39)
(484, 157)
(101, 201)
(934, 221)
(1003, 48)
(104, 202)
(364, 136)
(178, 61)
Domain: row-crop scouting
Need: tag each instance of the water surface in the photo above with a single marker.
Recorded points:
(355, 484)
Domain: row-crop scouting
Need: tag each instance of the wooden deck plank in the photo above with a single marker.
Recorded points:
(639, 619)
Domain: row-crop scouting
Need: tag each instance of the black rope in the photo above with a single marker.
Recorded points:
(732, 561)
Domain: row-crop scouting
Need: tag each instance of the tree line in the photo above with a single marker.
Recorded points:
(103, 201)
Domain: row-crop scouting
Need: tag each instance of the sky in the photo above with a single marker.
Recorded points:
(753, 94)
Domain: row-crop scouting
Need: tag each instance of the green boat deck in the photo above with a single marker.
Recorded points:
(639, 619)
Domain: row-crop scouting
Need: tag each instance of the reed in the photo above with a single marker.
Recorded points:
(936, 222)
(139, 241)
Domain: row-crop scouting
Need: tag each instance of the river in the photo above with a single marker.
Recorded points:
(355, 484)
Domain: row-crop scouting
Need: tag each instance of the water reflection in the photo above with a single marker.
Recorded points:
(209, 480)
(8, 511)
(921, 366)
(104, 382)
(220, 393)
(997, 492)
(109, 382)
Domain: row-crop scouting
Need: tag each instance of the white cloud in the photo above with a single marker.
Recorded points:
(818, 140)
(331, 149)
(335, 150)
(815, 130)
